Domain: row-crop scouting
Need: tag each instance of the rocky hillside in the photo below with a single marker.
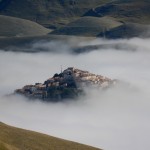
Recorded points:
(12, 138)
(69, 84)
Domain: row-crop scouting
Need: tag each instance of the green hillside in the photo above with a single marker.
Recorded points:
(127, 30)
(88, 26)
(115, 19)
(135, 11)
(12, 138)
(50, 13)
(15, 27)
(96, 18)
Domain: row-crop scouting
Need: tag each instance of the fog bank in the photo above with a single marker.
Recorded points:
(115, 119)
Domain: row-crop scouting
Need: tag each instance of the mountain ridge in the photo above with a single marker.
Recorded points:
(52, 13)
(73, 17)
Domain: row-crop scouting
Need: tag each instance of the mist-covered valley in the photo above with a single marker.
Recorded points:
(114, 119)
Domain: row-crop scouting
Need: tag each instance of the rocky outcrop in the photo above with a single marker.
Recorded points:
(69, 84)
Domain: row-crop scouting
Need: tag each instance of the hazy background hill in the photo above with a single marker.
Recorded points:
(12, 138)
(115, 19)
(88, 26)
(135, 11)
(97, 18)
(16, 27)
(50, 13)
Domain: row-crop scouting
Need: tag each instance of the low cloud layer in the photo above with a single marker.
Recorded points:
(116, 119)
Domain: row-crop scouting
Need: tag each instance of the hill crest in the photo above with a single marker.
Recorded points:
(12, 138)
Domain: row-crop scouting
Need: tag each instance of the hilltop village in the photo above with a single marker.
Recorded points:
(69, 84)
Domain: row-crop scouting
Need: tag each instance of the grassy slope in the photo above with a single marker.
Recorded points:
(12, 138)
(88, 26)
(135, 11)
(51, 13)
(122, 19)
(128, 30)
(62, 14)
(11, 27)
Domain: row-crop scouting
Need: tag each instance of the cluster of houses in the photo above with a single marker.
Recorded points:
(70, 83)
(84, 78)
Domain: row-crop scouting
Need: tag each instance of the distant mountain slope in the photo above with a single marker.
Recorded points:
(15, 27)
(94, 18)
(135, 11)
(128, 30)
(115, 19)
(89, 26)
(50, 13)
(12, 138)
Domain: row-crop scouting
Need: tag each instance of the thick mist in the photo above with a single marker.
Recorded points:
(115, 119)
